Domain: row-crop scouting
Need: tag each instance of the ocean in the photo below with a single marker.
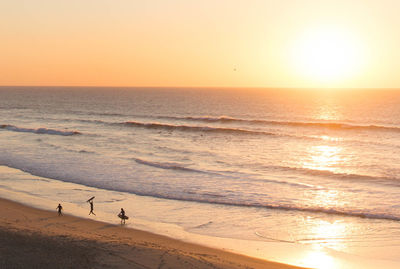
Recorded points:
(319, 169)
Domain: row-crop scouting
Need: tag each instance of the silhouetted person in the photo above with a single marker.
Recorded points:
(91, 208)
(122, 215)
(59, 209)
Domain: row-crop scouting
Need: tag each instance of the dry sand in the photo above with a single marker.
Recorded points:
(33, 238)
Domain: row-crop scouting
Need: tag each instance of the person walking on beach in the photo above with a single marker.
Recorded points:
(59, 209)
(122, 216)
(90, 201)
(91, 208)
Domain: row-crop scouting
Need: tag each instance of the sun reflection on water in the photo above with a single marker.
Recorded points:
(323, 157)
(326, 198)
(322, 236)
(319, 259)
(328, 234)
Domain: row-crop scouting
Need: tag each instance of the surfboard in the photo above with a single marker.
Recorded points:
(122, 217)
(90, 199)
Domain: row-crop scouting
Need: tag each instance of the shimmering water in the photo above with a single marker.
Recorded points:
(310, 167)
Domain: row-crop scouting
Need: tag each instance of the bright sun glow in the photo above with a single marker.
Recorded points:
(327, 55)
(323, 157)
(319, 259)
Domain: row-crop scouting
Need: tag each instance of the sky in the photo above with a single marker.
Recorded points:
(204, 43)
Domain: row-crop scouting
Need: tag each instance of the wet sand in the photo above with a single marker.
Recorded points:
(33, 238)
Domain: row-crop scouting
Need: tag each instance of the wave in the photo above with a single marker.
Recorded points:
(328, 125)
(226, 119)
(38, 130)
(174, 166)
(329, 211)
(381, 180)
(203, 225)
(81, 151)
(171, 127)
(273, 239)
(391, 181)
(221, 174)
(171, 166)
(94, 113)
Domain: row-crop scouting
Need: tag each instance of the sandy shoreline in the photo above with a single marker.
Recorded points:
(36, 238)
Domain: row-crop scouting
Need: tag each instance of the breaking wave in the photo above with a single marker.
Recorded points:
(171, 127)
(38, 130)
(359, 213)
(391, 181)
(328, 125)
(171, 166)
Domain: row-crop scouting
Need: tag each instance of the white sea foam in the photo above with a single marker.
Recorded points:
(38, 130)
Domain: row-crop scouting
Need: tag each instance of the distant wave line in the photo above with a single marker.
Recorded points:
(329, 125)
(174, 166)
(171, 166)
(230, 202)
(304, 171)
(329, 211)
(282, 134)
(342, 176)
(156, 125)
(38, 130)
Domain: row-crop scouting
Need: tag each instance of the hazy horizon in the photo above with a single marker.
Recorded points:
(202, 87)
(172, 43)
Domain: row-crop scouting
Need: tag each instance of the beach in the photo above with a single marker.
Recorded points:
(35, 238)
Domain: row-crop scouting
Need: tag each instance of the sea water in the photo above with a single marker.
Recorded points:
(315, 169)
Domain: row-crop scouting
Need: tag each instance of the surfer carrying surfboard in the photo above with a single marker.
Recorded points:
(122, 216)
(91, 208)
(90, 201)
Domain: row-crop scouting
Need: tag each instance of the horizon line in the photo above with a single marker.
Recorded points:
(202, 87)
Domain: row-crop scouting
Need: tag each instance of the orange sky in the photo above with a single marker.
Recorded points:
(223, 43)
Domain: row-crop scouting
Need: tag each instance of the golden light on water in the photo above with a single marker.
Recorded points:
(327, 111)
(325, 235)
(319, 259)
(329, 234)
(323, 157)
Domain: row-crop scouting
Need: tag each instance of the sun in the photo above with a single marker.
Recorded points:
(327, 54)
